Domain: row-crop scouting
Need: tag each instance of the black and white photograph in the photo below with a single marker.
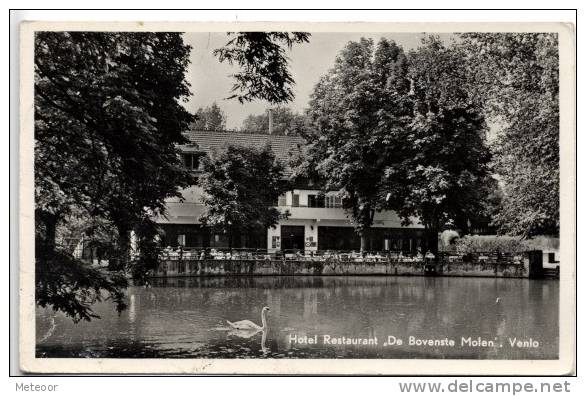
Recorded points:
(296, 193)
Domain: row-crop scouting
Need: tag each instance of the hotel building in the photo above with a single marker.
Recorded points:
(315, 222)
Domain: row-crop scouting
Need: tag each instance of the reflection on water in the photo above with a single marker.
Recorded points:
(186, 318)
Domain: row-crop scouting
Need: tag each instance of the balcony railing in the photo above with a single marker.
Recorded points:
(306, 212)
(339, 255)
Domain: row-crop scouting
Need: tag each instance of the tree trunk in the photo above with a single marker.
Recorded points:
(47, 240)
(364, 233)
(363, 240)
(51, 232)
(432, 240)
(124, 244)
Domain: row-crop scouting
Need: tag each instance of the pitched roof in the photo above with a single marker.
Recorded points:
(207, 141)
(181, 213)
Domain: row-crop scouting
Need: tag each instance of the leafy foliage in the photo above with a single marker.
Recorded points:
(359, 112)
(443, 173)
(107, 121)
(149, 246)
(96, 235)
(211, 118)
(489, 243)
(400, 132)
(263, 64)
(504, 244)
(285, 122)
(107, 107)
(240, 185)
(71, 286)
(517, 77)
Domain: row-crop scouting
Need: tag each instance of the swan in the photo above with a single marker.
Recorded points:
(248, 325)
(263, 343)
(246, 334)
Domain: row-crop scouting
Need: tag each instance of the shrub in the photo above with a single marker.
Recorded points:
(447, 240)
(503, 244)
(489, 243)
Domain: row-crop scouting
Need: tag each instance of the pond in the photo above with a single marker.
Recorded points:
(318, 317)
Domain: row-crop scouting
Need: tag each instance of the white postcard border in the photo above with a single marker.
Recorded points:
(563, 366)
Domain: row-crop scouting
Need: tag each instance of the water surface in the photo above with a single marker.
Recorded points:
(186, 318)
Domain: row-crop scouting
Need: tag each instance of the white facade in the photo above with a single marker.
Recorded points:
(311, 218)
(301, 214)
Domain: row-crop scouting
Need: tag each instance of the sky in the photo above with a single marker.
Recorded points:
(210, 80)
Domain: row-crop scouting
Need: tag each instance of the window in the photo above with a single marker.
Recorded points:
(282, 200)
(181, 239)
(333, 201)
(295, 200)
(276, 242)
(315, 201)
(191, 161)
(321, 201)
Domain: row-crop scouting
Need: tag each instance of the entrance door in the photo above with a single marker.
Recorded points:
(337, 238)
(292, 237)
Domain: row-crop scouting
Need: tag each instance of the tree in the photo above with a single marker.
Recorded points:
(285, 122)
(211, 118)
(263, 64)
(443, 170)
(487, 203)
(108, 120)
(516, 75)
(107, 106)
(240, 185)
(359, 110)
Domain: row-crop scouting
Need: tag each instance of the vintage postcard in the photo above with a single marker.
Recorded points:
(297, 198)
